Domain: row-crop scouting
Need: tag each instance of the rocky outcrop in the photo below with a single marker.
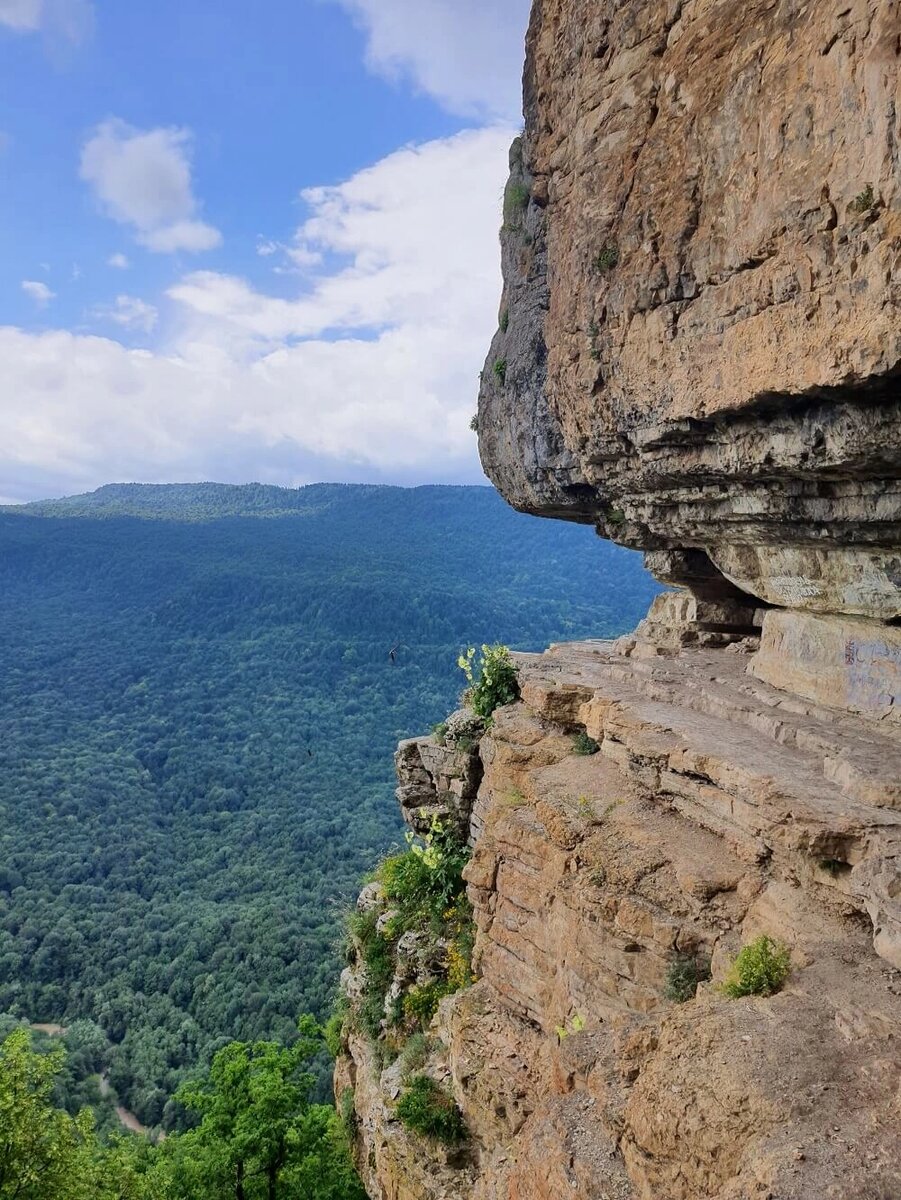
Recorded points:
(699, 346)
(699, 352)
(716, 808)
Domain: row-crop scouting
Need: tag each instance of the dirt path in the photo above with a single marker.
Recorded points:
(126, 1119)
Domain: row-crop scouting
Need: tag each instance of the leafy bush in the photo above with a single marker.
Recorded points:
(414, 1054)
(683, 975)
(474, 423)
(348, 1113)
(516, 201)
(607, 258)
(427, 1109)
(427, 880)
(421, 1002)
(585, 745)
(378, 960)
(760, 969)
(863, 201)
(333, 1030)
(500, 369)
(494, 684)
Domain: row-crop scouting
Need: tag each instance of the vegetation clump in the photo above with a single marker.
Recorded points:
(683, 975)
(607, 257)
(493, 681)
(257, 1136)
(500, 369)
(864, 200)
(760, 969)
(516, 201)
(584, 745)
(423, 893)
(427, 1109)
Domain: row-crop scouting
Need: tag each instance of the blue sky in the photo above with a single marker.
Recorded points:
(248, 241)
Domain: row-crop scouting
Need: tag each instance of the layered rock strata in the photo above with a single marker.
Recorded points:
(698, 352)
(717, 808)
(699, 344)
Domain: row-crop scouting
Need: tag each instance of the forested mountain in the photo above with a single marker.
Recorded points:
(198, 707)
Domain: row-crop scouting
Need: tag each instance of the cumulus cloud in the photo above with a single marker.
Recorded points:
(142, 178)
(119, 261)
(68, 20)
(22, 15)
(413, 235)
(467, 54)
(367, 371)
(130, 313)
(38, 292)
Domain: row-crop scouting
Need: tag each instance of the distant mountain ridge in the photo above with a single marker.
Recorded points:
(210, 501)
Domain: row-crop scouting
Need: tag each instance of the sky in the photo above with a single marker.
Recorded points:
(249, 242)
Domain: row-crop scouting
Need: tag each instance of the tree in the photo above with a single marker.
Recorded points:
(44, 1153)
(259, 1135)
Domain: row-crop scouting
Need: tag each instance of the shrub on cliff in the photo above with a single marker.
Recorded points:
(427, 1109)
(683, 975)
(760, 969)
(493, 681)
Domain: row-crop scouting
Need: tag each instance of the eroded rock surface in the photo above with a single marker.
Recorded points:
(699, 352)
(716, 808)
(702, 257)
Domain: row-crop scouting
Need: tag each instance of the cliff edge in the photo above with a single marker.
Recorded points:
(698, 352)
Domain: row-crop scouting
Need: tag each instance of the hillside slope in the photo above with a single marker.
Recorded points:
(197, 713)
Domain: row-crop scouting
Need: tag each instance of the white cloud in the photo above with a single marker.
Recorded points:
(38, 292)
(119, 261)
(22, 15)
(142, 178)
(467, 54)
(131, 313)
(67, 20)
(369, 370)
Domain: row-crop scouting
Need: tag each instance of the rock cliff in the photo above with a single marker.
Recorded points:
(698, 352)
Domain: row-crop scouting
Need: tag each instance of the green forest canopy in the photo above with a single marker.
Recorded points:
(197, 716)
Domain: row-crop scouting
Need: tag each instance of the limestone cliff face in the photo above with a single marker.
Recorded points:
(717, 808)
(699, 351)
(702, 256)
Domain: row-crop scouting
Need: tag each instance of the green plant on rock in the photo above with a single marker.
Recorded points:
(377, 957)
(585, 745)
(427, 1109)
(607, 257)
(500, 369)
(347, 1113)
(683, 975)
(333, 1030)
(516, 201)
(594, 333)
(414, 1055)
(760, 969)
(474, 423)
(864, 200)
(505, 320)
(421, 1002)
(575, 1025)
(493, 681)
(439, 732)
